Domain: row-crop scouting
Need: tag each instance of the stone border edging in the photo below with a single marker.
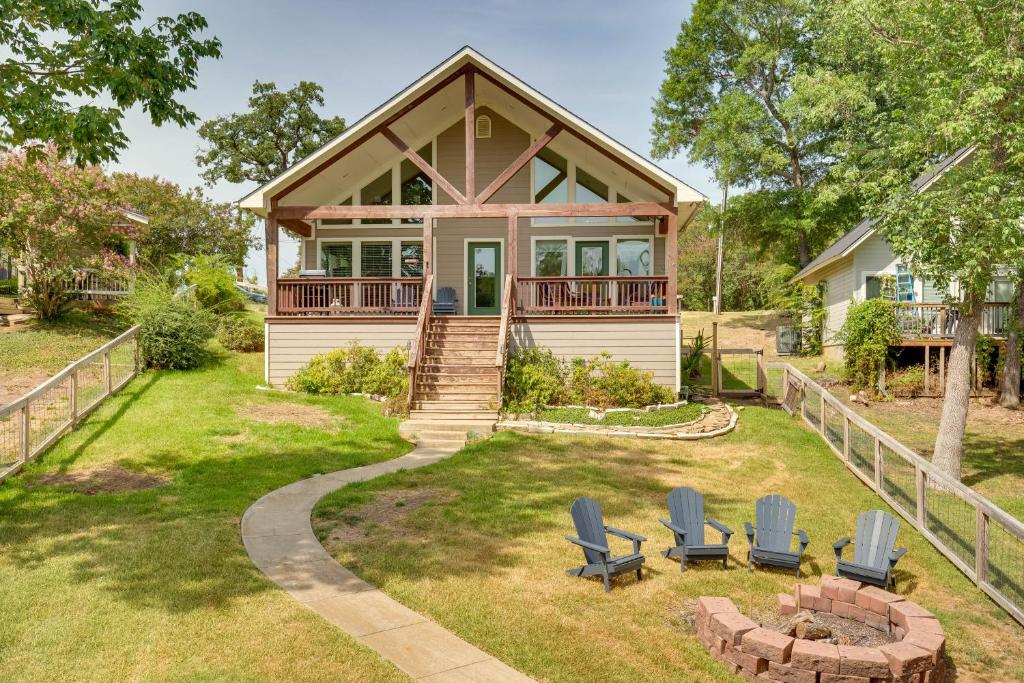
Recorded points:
(747, 649)
(278, 535)
(666, 432)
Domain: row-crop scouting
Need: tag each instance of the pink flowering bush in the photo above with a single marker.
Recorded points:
(56, 218)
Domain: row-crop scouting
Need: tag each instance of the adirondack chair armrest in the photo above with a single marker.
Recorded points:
(636, 538)
(749, 530)
(673, 527)
(895, 556)
(839, 545)
(803, 539)
(718, 526)
(588, 545)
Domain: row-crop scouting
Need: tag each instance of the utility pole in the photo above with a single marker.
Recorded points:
(721, 247)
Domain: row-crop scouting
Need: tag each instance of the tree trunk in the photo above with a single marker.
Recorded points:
(721, 248)
(949, 444)
(805, 249)
(1009, 389)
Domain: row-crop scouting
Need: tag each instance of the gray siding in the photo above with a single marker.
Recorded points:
(291, 345)
(647, 344)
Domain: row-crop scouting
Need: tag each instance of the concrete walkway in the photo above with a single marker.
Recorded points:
(278, 535)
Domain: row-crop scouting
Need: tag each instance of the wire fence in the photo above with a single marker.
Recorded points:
(32, 423)
(985, 542)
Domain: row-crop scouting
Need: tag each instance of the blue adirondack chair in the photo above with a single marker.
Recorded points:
(591, 537)
(771, 544)
(686, 513)
(444, 303)
(873, 555)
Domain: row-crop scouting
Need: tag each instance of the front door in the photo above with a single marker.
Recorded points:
(483, 272)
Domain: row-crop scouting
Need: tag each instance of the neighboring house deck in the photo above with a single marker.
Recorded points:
(473, 194)
(852, 269)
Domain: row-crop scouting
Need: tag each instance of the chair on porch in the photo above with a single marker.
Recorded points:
(559, 295)
(770, 545)
(873, 555)
(444, 302)
(593, 539)
(687, 520)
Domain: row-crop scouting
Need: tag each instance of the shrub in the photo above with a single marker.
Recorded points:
(213, 278)
(535, 378)
(906, 383)
(240, 334)
(354, 369)
(870, 328)
(174, 330)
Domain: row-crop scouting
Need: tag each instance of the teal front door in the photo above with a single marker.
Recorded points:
(483, 270)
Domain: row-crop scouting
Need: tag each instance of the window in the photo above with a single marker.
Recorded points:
(633, 257)
(336, 259)
(622, 199)
(412, 259)
(377, 193)
(550, 181)
(884, 286)
(872, 287)
(1001, 291)
(551, 258)
(415, 185)
(375, 259)
(590, 190)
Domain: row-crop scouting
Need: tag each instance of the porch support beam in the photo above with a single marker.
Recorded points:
(471, 136)
(672, 244)
(299, 227)
(428, 246)
(422, 164)
(652, 209)
(512, 257)
(528, 154)
(271, 236)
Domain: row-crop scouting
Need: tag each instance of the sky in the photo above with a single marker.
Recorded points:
(601, 59)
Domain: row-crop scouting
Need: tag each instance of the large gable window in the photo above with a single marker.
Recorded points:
(557, 180)
(415, 186)
(377, 193)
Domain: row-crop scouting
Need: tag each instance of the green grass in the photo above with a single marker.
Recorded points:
(653, 418)
(156, 585)
(51, 345)
(487, 557)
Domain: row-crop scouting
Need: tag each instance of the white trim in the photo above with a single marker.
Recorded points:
(266, 353)
(613, 246)
(259, 199)
(465, 268)
(679, 369)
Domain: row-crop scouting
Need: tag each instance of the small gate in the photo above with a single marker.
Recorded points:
(741, 373)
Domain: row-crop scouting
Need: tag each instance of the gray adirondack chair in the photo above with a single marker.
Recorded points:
(873, 555)
(771, 544)
(686, 513)
(592, 538)
(444, 304)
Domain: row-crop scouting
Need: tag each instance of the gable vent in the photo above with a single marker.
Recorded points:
(483, 126)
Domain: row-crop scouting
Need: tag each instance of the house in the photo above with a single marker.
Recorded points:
(855, 267)
(466, 211)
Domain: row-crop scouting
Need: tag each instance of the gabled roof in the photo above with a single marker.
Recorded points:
(135, 216)
(846, 244)
(259, 199)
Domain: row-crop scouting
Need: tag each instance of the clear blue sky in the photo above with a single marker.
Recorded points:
(601, 59)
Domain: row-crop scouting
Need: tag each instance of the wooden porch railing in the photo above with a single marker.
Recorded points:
(419, 338)
(349, 296)
(620, 294)
(940, 320)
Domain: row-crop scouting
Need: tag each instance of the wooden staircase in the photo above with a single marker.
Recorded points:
(457, 382)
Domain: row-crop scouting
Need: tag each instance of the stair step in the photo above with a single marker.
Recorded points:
(460, 410)
(460, 362)
(483, 398)
(440, 381)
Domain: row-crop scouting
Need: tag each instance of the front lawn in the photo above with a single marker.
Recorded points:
(481, 548)
(625, 418)
(154, 584)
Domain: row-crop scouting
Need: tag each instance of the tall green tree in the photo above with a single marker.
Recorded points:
(63, 60)
(955, 72)
(279, 129)
(184, 221)
(743, 96)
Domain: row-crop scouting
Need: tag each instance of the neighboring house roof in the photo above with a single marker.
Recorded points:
(135, 216)
(258, 200)
(846, 244)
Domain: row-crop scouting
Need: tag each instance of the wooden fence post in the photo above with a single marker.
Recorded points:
(846, 437)
(821, 421)
(981, 546)
(715, 361)
(762, 373)
(878, 464)
(25, 432)
(107, 380)
(74, 398)
(920, 479)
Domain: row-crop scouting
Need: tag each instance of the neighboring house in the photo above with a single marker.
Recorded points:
(510, 209)
(855, 266)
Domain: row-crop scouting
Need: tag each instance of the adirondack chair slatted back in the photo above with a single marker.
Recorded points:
(876, 537)
(446, 295)
(775, 517)
(686, 509)
(586, 515)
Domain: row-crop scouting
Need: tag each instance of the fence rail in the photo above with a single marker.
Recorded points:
(984, 541)
(32, 423)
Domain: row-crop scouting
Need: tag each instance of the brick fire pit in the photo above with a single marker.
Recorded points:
(764, 654)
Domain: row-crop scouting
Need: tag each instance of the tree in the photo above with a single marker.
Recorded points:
(184, 221)
(1009, 388)
(742, 93)
(56, 218)
(279, 129)
(955, 71)
(61, 57)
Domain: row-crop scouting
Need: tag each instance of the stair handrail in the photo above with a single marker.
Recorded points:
(422, 320)
(501, 356)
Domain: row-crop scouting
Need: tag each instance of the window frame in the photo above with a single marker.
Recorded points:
(357, 246)
(613, 251)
